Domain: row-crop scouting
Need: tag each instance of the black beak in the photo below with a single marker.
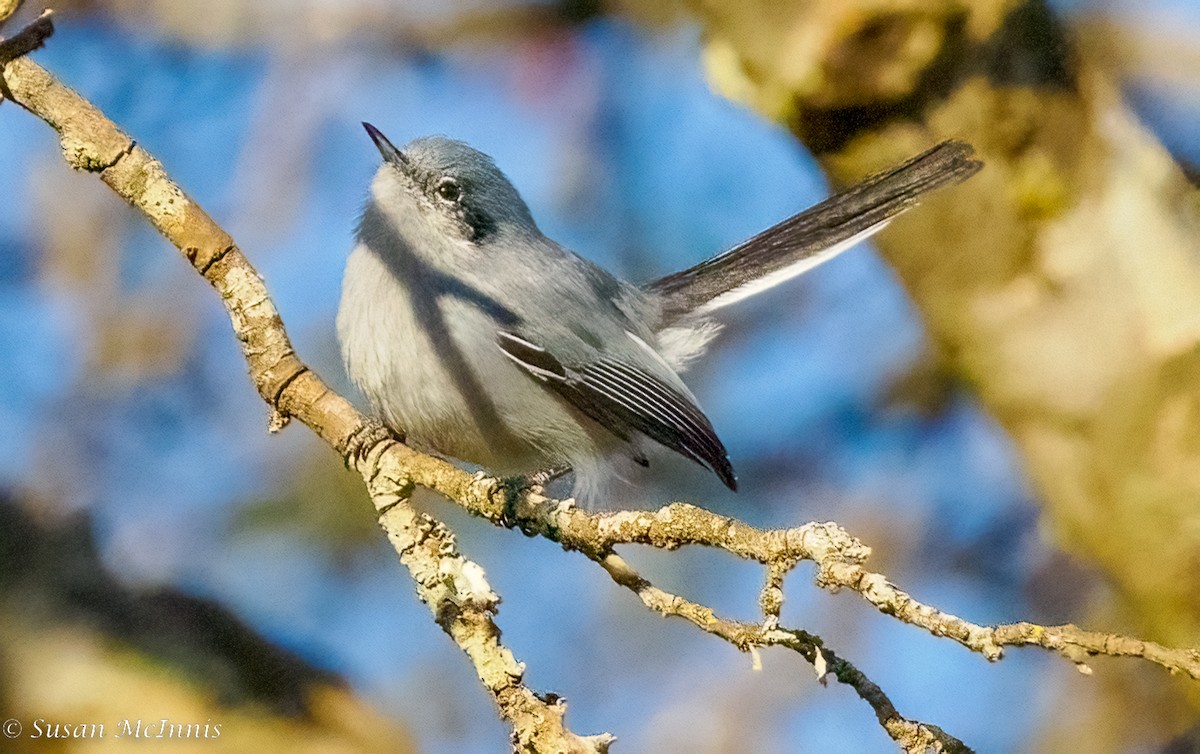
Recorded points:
(386, 148)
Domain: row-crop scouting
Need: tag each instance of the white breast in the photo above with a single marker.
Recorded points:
(444, 388)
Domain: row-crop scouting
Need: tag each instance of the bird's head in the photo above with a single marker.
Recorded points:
(448, 189)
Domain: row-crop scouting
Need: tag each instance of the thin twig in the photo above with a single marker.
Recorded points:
(839, 558)
(910, 735)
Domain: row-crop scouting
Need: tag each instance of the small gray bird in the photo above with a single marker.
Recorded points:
(479, 338)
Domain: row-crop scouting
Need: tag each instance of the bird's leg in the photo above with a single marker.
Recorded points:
(364, 437)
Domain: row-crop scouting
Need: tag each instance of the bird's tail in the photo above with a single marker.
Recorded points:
(821, 232)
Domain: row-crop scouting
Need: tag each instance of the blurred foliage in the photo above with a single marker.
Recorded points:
(78, 646)
(416, 24)
(319, 503)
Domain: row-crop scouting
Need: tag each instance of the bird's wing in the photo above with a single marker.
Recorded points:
(624, 399)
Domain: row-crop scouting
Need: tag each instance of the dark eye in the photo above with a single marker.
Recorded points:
(448, 189)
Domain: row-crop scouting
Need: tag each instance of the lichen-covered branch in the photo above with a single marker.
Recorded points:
(453, 587)
(911, 735)
(838, 556)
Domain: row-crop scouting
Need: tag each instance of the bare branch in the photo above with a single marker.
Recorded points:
(911, 735)
(839, 558)
(1077, 645)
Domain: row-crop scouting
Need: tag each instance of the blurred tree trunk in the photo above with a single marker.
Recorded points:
(82, 651)
(1063, 282)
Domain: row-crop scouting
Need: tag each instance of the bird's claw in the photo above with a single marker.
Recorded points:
(537, 481)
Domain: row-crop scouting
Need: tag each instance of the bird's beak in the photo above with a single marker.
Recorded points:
(386, 148)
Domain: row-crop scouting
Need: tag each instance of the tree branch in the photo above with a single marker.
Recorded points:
(455, 588)
(839, 558)
(911, 735)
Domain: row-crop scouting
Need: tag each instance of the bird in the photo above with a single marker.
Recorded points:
(476, 337)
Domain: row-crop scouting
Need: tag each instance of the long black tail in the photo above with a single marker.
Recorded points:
(813, 236)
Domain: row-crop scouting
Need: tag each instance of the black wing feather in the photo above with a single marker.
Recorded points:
(625, 399)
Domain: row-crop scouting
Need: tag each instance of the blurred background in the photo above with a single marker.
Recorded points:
(164, 556)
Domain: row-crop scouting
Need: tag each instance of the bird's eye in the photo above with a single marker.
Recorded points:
(448, 189)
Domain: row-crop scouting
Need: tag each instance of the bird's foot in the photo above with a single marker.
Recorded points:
(537, 481)
(518, 487)
(364, 437)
